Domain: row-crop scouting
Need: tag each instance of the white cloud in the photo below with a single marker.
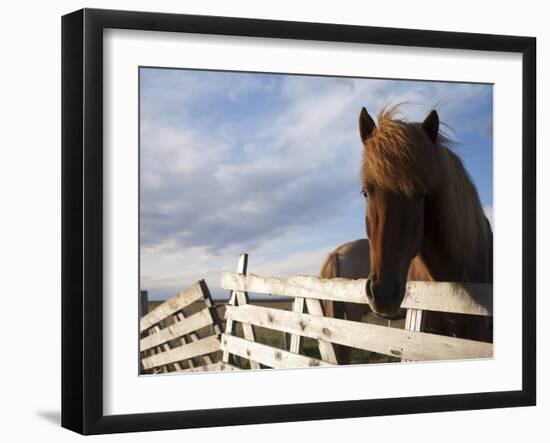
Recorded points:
(235, 162)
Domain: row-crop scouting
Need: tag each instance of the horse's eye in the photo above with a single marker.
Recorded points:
(369, 190)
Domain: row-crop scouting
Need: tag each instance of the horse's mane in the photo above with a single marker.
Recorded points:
(400, 157)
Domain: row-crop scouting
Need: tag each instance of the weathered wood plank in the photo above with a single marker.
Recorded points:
(184, 352)
(242, 265)
(298, 286)
(180, 328)
(296, 340)
(219, 366)
(194, 337)
(414, 321)
(173, 305)
(267, 355)
(183, 340)
(463, 298)
(229, 324)
(152, 351)
(460, 298)
(248, 329)
(240, 298)
(325, 347)
(412, 345)
(165, 347)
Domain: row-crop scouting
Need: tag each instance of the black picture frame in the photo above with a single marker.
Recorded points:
(82, 219)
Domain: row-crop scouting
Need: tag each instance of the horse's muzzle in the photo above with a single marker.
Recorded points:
(384, 297)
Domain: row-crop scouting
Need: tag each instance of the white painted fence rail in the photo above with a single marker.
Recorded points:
(409, 344)
(461, 298)
(170, 340)
(381, 339)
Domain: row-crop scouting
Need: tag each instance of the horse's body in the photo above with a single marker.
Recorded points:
(424, 222)
(350, 260)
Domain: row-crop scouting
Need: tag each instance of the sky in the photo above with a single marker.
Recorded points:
(268, 164)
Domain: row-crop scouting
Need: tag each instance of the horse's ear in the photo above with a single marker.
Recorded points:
(431, 125)
(366, 125)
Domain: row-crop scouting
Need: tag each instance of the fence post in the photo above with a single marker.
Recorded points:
(326, 349)
(414, 321)
(296, 340)
(242, 265)
(143, 303)
(143, 308)
(239, 298)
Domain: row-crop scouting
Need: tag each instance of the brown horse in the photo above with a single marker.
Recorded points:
(350, 260)
(424, 218)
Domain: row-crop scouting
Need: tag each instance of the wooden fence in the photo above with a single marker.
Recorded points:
(173, 341)
(409, 344)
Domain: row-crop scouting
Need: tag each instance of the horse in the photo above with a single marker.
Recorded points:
(423, 218)
(350, 260)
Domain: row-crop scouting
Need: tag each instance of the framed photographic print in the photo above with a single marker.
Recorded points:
(269, 221)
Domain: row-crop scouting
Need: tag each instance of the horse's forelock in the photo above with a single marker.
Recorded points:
(400, 157)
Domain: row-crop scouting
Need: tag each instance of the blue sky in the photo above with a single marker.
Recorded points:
(268, 164)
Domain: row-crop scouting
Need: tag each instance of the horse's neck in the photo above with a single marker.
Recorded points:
(437, 261)
(419, 270)
(434, 263)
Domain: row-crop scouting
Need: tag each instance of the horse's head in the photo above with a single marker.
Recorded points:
(395, 184)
